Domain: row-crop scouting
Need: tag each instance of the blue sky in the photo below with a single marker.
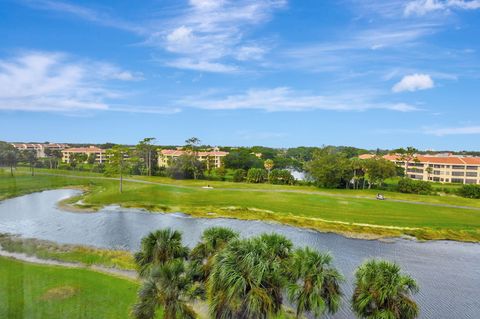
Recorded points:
(246, 72)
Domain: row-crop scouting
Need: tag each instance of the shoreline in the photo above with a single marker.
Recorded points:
(126, 274)
(361, 231)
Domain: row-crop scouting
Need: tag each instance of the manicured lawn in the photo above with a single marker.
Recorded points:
(37, 291)
(344, 211)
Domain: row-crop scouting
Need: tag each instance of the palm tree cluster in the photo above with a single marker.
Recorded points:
(250, 278)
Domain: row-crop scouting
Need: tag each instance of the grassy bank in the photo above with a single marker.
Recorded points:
(36, 291)
(349, 212)
(68, 253)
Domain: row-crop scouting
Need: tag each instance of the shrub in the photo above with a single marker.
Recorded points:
(410, 186)
(239, 175)
(281, 177)
(256, 175)
(469, 191)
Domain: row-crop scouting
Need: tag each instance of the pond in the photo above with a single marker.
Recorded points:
(448, 272)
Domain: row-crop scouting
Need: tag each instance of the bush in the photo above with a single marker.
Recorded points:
(256, 175)
(469, 191)
(239, 175)
(410, 186)
(281, 177)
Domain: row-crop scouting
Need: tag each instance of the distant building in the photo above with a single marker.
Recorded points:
(39, 148)
(214, 157)
(444, 168)
(100, 154)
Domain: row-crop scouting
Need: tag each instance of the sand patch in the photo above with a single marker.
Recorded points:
(59, 293)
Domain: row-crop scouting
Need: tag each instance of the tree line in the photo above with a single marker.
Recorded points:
(251, 278)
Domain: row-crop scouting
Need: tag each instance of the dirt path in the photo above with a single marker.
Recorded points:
(128, 274)
(132, 180)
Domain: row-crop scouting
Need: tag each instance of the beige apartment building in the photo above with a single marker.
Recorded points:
(443, 168)
(214, 157)
(39, 148)
(100, 154)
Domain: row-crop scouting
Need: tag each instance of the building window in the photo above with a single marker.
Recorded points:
(458, 167)
(472, 174)
(472, 168)
(458, 174)
(470, 181)
(457, 180)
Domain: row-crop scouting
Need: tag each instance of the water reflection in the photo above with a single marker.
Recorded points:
(448, 272)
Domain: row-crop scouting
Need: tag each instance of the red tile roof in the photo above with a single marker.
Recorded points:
(452, 160)
(91, 149)
(180, 152)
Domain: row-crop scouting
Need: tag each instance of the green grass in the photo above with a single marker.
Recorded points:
(68, 253)
(351, 212)
(37, 291)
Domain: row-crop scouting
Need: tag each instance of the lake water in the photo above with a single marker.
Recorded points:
(448, 272)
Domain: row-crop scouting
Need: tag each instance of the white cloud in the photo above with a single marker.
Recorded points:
(422, 7)
(199, 65)
(414, 82)
(250, 52)
(40, 81)
(207, 4)
(465, 130)
(285, 99)
(210, 32)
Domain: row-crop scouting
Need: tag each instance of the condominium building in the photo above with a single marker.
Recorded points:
(39, 148)
(100, 154)
(443, 168)
(214, 157)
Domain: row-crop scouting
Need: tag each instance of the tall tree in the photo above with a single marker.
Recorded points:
(268, 164)
(316, 283)
(147, 151)
(167, 286)
(161, 263)
(11, 159)
(118, 162)
(330, 168)
(30, 156)
(381, 291)
(406, 155)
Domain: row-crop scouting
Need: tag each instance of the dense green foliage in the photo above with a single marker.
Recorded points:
(281, 177)
(242, 159)
(186, 167)
(330, 169)
(238, 278)
(247, 279)
(381, 291)
(256, 175)
(239, 175)
(410, 186)
(469, 191)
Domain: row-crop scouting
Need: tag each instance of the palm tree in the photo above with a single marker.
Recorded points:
(268, 164)
(382, 292)
(247, 278)
(159, 247)
(167, 286)
(316, 286)
(212, 241)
